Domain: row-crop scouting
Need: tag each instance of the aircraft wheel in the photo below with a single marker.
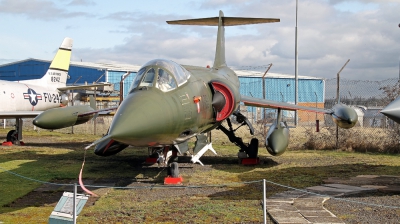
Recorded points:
(12, 136)
(173, 170)
(252, 150)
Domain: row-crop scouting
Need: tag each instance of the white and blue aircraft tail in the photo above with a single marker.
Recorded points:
(29, 98)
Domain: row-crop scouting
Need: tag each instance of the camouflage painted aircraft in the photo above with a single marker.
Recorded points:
(29, 98)
(169, 103)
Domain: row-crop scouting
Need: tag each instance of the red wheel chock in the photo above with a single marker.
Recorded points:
(173, 180)
(150, 160)
(7, 144)
(10, 143)
(250, 161)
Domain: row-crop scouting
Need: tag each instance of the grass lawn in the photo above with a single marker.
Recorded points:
(55, 157)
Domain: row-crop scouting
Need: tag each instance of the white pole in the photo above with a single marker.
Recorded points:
(265, 201)
(74, 204)
(296, 80)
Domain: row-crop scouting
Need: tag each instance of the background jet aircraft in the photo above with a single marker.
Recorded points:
(169, 103)
(28, 99)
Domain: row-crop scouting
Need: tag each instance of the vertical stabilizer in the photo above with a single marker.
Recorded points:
(221, 22)
(219, 60)
(57, 74)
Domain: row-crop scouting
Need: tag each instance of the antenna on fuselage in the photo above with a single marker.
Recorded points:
(221, 22)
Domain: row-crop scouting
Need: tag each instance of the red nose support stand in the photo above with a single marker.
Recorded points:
(173, 180)
(10, 143)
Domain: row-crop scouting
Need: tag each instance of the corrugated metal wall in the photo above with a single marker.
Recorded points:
(89, 75)
(35, 69)
(29, 69)
(115, 78)
(282, 89)
(311, 93)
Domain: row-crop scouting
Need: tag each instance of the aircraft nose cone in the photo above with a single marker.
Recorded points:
(392, 110)
(143, 119)
(37, 122)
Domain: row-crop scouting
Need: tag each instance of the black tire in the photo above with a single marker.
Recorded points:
(252, 150)
(173, 170)
(12, 136)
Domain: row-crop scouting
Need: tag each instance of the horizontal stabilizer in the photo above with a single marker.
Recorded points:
(226, 21)
(92, 86)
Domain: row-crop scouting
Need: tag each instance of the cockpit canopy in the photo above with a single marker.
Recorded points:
(163, 74)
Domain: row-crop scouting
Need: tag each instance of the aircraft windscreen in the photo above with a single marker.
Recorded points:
(148, 78)
(139, 76)
(170, 75)
(165, 81)
(181, 74)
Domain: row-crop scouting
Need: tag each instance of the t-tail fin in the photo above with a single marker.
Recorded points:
(57, 73)
(221, 22)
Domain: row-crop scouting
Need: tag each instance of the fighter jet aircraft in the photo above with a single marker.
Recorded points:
(169, 103)
(29, 98)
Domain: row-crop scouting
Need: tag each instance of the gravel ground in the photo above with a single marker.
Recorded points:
(351, 212)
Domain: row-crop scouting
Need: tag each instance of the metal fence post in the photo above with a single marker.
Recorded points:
(265, 201)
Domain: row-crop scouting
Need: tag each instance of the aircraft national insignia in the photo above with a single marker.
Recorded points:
(32, 96)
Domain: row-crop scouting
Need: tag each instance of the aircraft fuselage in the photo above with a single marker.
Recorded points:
(151, 117)
(26, 97)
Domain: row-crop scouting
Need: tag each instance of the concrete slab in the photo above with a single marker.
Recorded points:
(339, 189)
(329, 191)
(281, 207)
(315, 213)
(366, 180)
(347, 187)
(300, 207)
(331, 220)
(280, 200)
(376, 187)
(290, 194)
(287, 217)
(302, 210)
(309, 202)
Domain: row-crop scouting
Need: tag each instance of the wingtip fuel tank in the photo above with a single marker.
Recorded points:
(63, 117)
(277, 139)
(344, 116)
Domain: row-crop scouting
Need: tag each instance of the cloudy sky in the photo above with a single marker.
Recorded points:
(329, 33)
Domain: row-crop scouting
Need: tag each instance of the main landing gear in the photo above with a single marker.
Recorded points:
(249, 152)
(14, 137)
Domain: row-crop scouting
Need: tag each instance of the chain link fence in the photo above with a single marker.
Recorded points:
(373, 133)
